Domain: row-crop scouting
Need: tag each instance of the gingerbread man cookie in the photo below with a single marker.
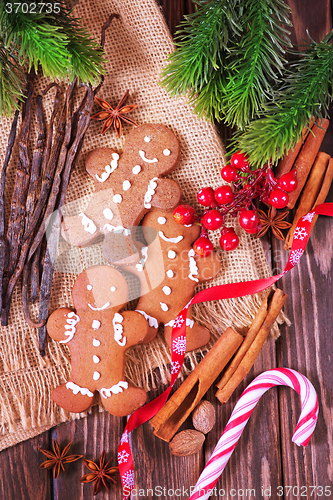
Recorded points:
(127, 185)
(98, 335)
(168, 271)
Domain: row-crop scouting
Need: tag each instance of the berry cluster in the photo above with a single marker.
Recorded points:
(236, 200)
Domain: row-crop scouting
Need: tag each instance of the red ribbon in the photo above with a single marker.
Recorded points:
(178, 339)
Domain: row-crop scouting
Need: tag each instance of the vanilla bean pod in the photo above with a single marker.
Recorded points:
(10, 145)
(16, 222)
(54, 233)
(51, 203)
(35, 271)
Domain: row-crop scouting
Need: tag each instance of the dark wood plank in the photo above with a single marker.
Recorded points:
(21, 478)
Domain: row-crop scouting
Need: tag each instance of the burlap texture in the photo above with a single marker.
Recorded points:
(136, 45)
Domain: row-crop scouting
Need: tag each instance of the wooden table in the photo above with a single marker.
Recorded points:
(265, 463)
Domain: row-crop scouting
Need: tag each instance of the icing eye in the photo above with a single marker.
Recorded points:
(167, 152)
(89, 287)
(113, 289)
(147, 139)
(161, 220)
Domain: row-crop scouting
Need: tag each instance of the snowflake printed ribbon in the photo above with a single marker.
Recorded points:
(178, 338)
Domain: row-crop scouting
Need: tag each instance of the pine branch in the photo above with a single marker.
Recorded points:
(256, 60)
(202, 44)
(51, 37)
(306, 94)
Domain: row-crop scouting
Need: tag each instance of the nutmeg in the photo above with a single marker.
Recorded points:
(203, 417)
(186, 443)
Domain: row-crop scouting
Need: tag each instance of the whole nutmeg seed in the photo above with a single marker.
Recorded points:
(203, 417)
(186, 443)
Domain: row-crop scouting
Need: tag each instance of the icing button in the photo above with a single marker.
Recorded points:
(96, 359)
(136, 170)
(171, 254)
(96, 375)
(126, 185)
(117, 198)
(96, 324)
(166, 290)
(96, 343)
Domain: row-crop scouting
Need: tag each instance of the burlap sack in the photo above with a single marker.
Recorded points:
(136, 45)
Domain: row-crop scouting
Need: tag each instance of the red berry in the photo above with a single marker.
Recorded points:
(278, 198)
(212, 220)
(229, 173)
(229, 239)
(184, 214)
(203, 246)
(240, 161)
(224, 195)
(288, 182)
(206, 196)
(249, 220)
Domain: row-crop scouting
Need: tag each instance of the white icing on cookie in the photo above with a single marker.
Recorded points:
(118, 329)
(96, 359)
(147, 139)
(164, 307)
(108, 169)
(189, 322)
(126, 185)
(115, 389)
(116, 229)
(96, 343)
(144, 253)
(151, 320)
(136, 170)
(167, 152)
(193, 266)
(170, 273)
(144, 158)
(88, 224)
(76, 389)
(96, 376)
(166, 290)
(89, 287)
(108, 214)
(171, 254)
(113, 288)
(71, 320)
(161, 220)
(107, 304)
(150, 192)
(170, 240)
(117, 198)
(96, 324)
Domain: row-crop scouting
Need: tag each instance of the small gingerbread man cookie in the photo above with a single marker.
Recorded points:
(98, 335)
(127, 185)
(168, 272)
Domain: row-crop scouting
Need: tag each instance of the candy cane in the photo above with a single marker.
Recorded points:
(241, 414)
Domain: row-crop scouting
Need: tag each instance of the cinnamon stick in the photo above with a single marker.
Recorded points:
(274, 307)
(323, 191)
(168, 420)
(249, 338)
(310, 193)
(307, 157)
(286, 163)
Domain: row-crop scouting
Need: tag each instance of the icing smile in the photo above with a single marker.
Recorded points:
(107, 304)
(143, 156)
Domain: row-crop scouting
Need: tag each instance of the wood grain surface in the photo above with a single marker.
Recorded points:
(265, 464)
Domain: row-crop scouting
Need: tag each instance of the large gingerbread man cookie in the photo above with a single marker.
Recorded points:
(168, 272)
(98, 335)
(127, 185)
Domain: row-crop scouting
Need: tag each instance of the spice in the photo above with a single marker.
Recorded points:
(274, 221)
(58, 458)
(114, 116)
(101, 474)
(171, 416)
(253, 342)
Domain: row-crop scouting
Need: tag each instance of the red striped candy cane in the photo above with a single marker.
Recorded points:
(241, 414)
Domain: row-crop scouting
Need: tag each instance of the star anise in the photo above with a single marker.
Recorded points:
(58, 458)
(114, 116)
(101, 474)
(275, 222)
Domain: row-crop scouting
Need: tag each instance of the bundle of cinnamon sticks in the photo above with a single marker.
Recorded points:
(243, 350)
(314, 174)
